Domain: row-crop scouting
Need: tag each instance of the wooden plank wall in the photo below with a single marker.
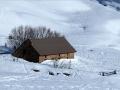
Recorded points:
(53, 57)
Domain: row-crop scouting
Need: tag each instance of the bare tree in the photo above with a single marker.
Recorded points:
(19, 34)
(69, 64)
(62, 64)
(55, 64)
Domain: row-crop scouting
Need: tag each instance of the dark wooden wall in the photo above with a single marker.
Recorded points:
(27, 52)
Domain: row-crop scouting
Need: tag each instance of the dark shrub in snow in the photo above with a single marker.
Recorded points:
(51, 73)
(35, 70)
(67, 74)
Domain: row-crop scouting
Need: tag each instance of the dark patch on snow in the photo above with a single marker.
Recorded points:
(51, 73)
(35, 70)
(67, 74)
(58, 73)
(91, 50)
(108, 73)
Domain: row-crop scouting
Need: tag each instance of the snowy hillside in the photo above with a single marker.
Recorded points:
(112, 3)
(93, 29)
(69, 17)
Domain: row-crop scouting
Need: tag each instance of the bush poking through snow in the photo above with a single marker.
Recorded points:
(67, 74)
(58, 73)
(35, 70)
(108, 73)
(15, 59)
(55, 63)
(51, 73)
(65, 64)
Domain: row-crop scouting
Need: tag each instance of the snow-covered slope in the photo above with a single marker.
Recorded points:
(112, 3)
(87, 20)
(30, 12)
(91, 28)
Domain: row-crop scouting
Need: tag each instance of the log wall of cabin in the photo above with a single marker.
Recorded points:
(53, 57)
(63, 56)
(70, 55)
(42, 58)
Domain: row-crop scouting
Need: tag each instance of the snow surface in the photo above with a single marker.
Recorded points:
(91, 28)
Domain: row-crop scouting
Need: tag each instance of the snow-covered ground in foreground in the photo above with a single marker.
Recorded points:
(19, 75)
(91, 28)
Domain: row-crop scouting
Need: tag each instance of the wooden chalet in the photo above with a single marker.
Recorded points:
(38, 50)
